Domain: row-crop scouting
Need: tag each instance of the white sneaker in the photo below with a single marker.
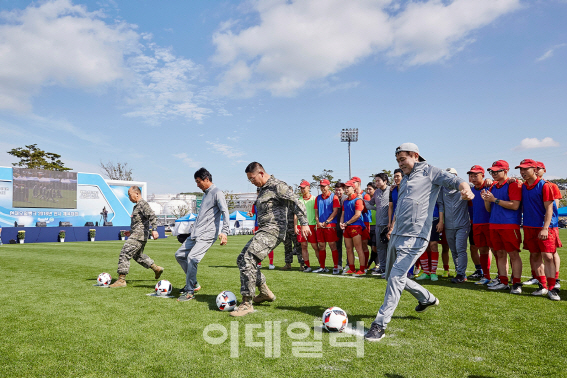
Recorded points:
(325, 270)
(307, 269)
(259, 266)
(483, 281)
(320, 270)
(553, 295)
(499, 286)
(540, 292)
(272, 266)
(557, 285)
(336, 271)
(493, 282)
(516, 289)
(532, 281)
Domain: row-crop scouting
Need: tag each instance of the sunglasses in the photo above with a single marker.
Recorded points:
(495, 172)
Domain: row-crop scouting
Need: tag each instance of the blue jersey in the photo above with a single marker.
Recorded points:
(479, 213)
(349, 210)
(501, 218)
(394, 200)
(325, 208)
(533, 199)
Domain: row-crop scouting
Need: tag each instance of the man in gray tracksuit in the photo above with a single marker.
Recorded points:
(204, 233)
(381, 203)
(409, 238)
(457, 227)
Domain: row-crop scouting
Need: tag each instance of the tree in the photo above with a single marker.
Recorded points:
(180, 211)
(230, 200)
(118, 171)
(388, 173)
(32, 157)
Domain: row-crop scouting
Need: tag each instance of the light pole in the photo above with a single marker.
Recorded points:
(349, 135)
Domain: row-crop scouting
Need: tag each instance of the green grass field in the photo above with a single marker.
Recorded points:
(69, 201)
(55, 323)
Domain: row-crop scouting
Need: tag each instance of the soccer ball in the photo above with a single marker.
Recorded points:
(104, 279)
(163, 288)
(226, 301)
(335, 319)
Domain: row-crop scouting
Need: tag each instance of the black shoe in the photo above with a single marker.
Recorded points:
(183, 291)
(476, 275)
(422, 307)
(459, 279)
(375, 333)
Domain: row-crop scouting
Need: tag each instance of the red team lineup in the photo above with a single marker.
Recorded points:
(501, 208)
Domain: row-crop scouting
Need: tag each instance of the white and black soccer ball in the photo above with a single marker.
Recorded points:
(104, 279)
(163, 288)
(335, 319)
(226, 301)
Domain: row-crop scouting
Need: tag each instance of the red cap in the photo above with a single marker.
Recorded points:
(356, 179)
(498, 165)
(304, 184)
(349, 183)
(540, 164)
(476, 169)
(527, 163)
(324, 182)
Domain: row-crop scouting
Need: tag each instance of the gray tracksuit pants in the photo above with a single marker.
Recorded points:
(402, 254)
(457, 240)
(188, 256)
(381, 248)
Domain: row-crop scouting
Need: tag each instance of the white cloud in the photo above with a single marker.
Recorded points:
(187, 160)
(226, 150)
(298, 41)
(549, 53)
(57, 43)
(531, 143)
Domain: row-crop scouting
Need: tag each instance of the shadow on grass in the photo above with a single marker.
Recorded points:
(210, 299)
(309, 310)
(223, 266)
(470, 285)
(393, 375)
(480, 376)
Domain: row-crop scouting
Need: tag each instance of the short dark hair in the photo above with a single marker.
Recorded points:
(136, 189)
(203, 174)
(371, 184)
(398, 170)
(383, 176)
(339, 185)
(253, 167)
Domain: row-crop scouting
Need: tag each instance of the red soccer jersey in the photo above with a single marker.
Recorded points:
(556, 191)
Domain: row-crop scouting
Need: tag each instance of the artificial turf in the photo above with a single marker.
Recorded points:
(55, 323)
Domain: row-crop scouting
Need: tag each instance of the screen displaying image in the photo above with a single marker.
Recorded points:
(44, 189)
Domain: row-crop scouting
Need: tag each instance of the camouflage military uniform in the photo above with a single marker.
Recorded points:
(274, 201)
(290, 239)
(142, 217)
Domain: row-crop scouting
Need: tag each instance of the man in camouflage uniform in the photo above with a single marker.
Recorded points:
(142, 217)
(274, 200)
(290, 239)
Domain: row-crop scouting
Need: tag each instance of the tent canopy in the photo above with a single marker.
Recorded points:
(562, 211)
(187, 218)
(241, 215)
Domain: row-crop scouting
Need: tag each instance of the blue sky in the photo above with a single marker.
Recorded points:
(171, 86)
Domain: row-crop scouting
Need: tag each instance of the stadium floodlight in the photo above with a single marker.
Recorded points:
(349, 135)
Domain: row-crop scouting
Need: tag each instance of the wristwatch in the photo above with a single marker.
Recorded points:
(497, 201)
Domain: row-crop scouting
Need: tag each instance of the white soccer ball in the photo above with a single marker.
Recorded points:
(163, 288)
(104, 279)
(335, 319)
(226, 301)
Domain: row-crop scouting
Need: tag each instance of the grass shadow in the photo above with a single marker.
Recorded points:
(309, 310)
(210, 299)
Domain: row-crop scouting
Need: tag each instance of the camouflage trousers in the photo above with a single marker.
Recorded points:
(254, 251)
(133, 249)
(290, 250)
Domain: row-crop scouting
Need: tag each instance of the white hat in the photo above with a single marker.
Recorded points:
(409, 147)
(452, 170)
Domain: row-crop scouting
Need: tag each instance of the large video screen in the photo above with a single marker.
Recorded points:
(47, 189)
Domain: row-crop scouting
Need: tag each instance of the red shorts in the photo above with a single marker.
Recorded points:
(481, 235)
(505, 239)
(535, 245)
(352, 231)
(366, 232)
(327, 235)
(442, 238)
(311, 238)
(558, 243)
(256, 229)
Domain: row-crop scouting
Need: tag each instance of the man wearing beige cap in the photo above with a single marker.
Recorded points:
(411, 231)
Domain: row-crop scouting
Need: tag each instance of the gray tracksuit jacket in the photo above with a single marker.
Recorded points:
(417, 196)
(380, 202)
(454, 209)
(207, 224)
